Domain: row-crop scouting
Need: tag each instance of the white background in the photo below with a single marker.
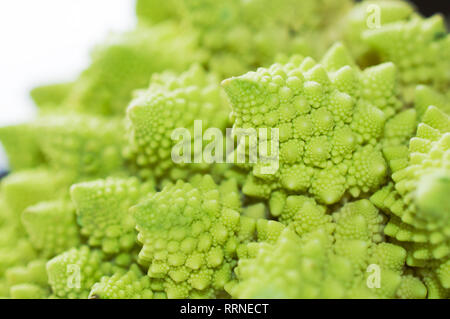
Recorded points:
(48, 41)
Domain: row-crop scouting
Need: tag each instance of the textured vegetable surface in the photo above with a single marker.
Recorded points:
(358, 206)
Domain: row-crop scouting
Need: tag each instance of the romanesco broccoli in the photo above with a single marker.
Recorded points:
(95, 206)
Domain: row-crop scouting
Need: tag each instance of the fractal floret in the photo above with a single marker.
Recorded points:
(330, 117)
(72, 273)
(379, 31)
(103, 211)
(191, 243)
(127, 285)
(19, 141)
(28, 282)
(80, 143)
(51, 227)
(417, 199)
(174, 102)
(422, 59)
(238, 149)
(29, 187)
(309, 267)
(368, 15)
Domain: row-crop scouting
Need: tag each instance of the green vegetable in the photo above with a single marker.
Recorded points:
(102, 209)
(330, 118)
(379, 31)
(130, 285)
(417, 199)
(191, 243)
(356, 207)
